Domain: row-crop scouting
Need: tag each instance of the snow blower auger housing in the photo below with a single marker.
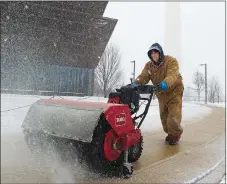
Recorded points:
(111, 129)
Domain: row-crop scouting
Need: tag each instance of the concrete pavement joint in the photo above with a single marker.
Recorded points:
(201, 176)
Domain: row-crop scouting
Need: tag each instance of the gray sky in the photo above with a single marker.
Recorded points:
(142, 23)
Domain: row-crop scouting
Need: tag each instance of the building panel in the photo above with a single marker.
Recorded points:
(52, 46)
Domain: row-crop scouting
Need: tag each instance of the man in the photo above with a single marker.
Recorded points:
(164, 70)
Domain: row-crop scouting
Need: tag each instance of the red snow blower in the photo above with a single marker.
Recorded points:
(111, 129)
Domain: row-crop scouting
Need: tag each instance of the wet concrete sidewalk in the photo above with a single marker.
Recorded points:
(202, 146)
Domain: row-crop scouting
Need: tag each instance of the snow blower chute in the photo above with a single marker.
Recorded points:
(112, 129)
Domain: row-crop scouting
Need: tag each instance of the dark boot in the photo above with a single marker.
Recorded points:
(172, 140)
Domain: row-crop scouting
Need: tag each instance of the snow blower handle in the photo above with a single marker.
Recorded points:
(131, 95)
(146, 89)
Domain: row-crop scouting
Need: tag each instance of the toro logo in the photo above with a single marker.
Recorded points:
(120, 119)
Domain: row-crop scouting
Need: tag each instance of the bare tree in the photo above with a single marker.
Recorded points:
(187, 93)
(108, 74)
(214, 90)
(211, 90)
(217, 88)
(199, 83)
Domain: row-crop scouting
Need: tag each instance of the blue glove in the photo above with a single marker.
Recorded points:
(163, 86)
(133, 83)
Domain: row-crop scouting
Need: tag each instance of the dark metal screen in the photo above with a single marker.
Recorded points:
(49, 78)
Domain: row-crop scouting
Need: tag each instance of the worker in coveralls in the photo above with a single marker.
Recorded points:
(164, 70)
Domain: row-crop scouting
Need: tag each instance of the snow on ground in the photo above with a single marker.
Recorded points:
(216, 104)
(190, 111)
(11, 120)
(221, 104)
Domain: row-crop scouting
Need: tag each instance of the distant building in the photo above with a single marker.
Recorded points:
(52, 47)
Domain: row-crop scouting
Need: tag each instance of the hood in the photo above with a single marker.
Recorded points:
(157, 47)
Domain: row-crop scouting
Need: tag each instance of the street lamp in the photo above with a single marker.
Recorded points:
(205, 81)
(133, 73)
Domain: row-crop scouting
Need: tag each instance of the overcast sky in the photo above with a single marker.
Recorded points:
(142, 23)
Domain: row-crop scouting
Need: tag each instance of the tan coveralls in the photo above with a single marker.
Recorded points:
(170, 101)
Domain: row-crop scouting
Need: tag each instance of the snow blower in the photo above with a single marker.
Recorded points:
(111, 129)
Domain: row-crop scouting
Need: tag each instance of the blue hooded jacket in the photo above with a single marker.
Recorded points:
(158, 48)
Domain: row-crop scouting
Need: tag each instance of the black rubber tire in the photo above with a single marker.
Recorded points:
(135, 152)
(97, 156)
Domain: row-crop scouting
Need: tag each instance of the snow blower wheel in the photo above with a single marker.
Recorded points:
(109, 133)
(135, 151)
(103, 156)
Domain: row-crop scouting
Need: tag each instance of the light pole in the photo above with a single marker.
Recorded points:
(134, 69)
(205, 81)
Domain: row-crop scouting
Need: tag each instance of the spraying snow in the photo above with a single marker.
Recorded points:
(60, 168)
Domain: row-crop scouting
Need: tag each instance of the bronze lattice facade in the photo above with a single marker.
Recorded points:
(52, 46)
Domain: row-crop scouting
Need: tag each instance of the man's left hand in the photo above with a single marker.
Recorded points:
(134, 83)
(163, 86)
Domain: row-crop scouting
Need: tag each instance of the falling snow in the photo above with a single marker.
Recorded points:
(54, 46)
(49, 36)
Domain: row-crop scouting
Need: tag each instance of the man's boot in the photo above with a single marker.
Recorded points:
(172, 140)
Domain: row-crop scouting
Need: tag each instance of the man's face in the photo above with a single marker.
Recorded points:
(155, 55)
